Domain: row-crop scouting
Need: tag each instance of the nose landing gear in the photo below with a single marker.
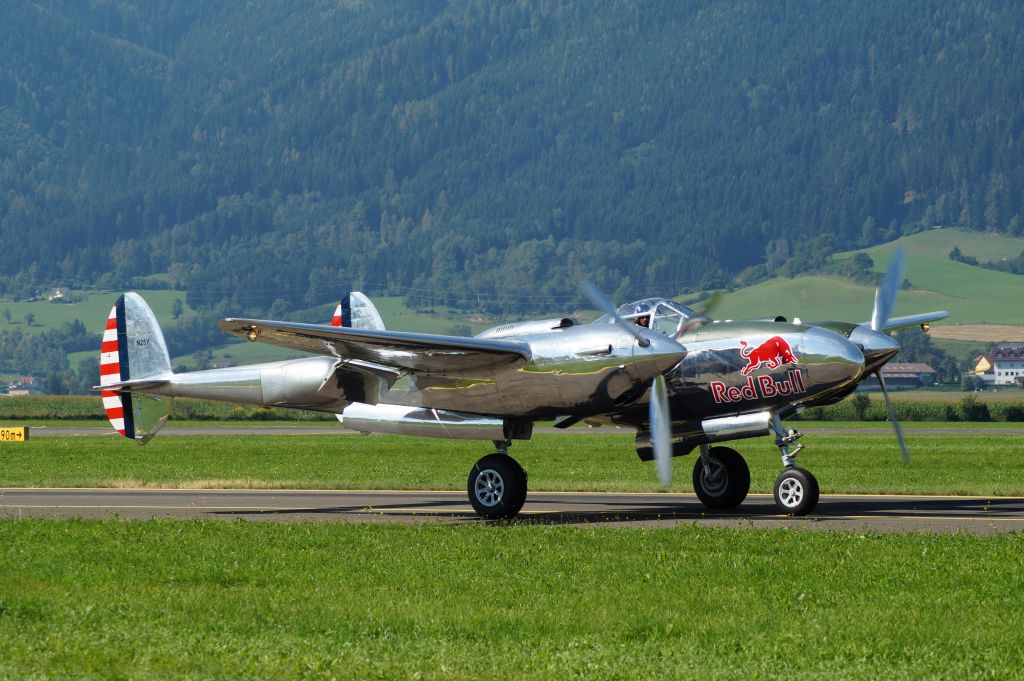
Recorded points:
(796, 490)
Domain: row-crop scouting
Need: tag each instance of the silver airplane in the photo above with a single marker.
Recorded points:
(682, 380)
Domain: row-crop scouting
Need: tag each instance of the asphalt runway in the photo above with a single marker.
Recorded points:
(976, 515)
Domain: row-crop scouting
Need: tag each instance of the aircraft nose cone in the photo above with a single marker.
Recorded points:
(878, 347)
(831, 360)
(657, 358)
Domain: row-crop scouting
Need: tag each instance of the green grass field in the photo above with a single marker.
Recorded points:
(866, 463)
(214, 599)
(166, 599)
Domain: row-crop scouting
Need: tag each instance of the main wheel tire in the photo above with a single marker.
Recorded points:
(796, 491)
(497, 486)
(727, 481)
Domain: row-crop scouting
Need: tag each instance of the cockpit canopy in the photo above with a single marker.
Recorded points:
(663, 315)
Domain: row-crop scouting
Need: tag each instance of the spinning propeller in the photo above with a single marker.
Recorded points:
(659, 418)
(605, 305)
(885, 300)
(700, 317)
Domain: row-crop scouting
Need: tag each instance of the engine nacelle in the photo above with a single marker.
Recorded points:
(315, 383)
(523, 328)
(399, 420)
(301, 383)
(711, 430)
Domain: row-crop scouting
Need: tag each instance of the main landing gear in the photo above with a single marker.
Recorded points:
(721, 478)
(497, 484)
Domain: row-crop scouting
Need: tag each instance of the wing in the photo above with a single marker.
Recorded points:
(911, 320)
(412, 352)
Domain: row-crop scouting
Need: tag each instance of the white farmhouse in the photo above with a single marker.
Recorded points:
(1002, 365)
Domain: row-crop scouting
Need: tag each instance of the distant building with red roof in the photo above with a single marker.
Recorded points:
(901, 376)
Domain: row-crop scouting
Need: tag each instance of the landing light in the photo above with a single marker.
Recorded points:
(252, 333)
(925, 326)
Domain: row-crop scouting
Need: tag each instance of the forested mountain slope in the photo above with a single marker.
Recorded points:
(487, 154)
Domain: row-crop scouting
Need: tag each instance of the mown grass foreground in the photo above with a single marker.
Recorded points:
(976, 464)
(172, 599)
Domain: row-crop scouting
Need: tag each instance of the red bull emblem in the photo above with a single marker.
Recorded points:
(773, 353)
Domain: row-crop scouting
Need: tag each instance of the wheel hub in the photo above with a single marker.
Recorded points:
(714, 478)
(791, 493)
(489, 487)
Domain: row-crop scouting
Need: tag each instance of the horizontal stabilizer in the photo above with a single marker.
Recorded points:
(140, 384)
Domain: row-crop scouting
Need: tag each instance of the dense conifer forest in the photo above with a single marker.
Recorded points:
(489, 155)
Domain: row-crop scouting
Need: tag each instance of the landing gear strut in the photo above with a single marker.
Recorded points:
(497, 485)
(796, 490)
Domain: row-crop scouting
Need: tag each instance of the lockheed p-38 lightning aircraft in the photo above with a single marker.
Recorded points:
(682, 380)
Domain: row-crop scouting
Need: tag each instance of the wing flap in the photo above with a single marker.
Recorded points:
(412, 352)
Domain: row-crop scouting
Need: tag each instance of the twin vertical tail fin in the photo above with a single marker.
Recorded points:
(356, 311)
(133, 358)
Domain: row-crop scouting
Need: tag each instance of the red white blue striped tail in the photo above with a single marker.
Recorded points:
(134, 361)
(356, 311)
(339, 314)
(114, 369)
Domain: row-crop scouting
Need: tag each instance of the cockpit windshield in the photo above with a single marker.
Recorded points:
(660, 314)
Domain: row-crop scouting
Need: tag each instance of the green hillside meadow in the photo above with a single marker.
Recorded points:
(95, 307)
(92, 311)
(971, 294)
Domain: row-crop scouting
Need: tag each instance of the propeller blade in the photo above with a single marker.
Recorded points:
(704, 307)
(700, 317)
(661, 429)
(885, 294)
(895, 421)
(602, 303)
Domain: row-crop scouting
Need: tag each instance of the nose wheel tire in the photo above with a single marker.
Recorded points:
(796, 491)
(725, 482)
(497, 486)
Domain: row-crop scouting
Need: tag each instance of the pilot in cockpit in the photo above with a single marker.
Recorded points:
(644, 315)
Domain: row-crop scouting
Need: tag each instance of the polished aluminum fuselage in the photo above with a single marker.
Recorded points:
(597, 371)
(711, 382)
(578, 371)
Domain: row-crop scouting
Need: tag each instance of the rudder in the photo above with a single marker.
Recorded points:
(133, 349)
(357, 311)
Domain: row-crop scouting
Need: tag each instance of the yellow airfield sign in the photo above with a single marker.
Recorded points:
(13, 433)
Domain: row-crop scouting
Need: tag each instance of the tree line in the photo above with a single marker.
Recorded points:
(491, 155)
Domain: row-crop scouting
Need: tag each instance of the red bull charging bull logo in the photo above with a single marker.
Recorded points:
(773, 353)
